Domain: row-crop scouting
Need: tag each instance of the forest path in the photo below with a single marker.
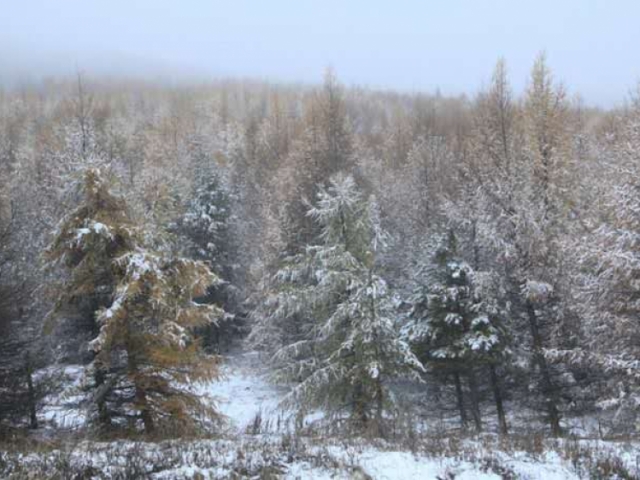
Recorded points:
(243, 394)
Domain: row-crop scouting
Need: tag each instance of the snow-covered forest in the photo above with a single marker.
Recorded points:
(243, 279)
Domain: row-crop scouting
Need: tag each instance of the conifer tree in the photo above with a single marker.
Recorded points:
(85, 245)
(206, 225)
(18, 396)
(86, 242)
(610, 261)
(544, 293)
(325, 147)
(520, 167)
(146, 344)
(348, 349)
(206, 222)
(453, 328)
(136, 309)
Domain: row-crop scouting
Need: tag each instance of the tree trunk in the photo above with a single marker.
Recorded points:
(460, 400)
(140, 397)
(379, 409)
(548, 389)
(145, 414)
(33, 418)
(359, 406)
(141, 401)
(497, 395)
(475, 402)
(103, 413)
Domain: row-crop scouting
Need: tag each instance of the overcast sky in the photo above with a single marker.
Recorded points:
(593, 46)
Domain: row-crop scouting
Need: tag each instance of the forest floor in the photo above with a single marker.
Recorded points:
(260, 441)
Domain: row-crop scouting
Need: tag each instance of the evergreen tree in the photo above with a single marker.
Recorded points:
(18, 396)
(206, 225)
(454, 329)
(136, 309)
(348, 348)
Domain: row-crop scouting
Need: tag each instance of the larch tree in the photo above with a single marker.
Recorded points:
(610, 280)
(325, 147)
(519, 164)
(135, 310)
(146, 344)
(544, 218)
(85, 245)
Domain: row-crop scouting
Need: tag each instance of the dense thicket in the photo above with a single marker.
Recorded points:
(507, 279)
(20, 392)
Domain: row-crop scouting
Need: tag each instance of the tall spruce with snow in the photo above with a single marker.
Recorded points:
(349, 349)
(454, 328)
(206, 222)
(206, 226)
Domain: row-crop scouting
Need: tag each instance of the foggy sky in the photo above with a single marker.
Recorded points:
(593, 46)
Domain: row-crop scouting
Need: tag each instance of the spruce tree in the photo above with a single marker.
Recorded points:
(206, 226)
(206, 222)
(348, 349)
(454, 329)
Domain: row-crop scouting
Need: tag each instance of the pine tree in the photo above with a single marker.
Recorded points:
(206, 225)
(454, 329)
(348, 349)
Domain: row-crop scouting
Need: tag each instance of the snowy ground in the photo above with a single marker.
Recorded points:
(243, 394)
(258, 442)
(62, 410)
